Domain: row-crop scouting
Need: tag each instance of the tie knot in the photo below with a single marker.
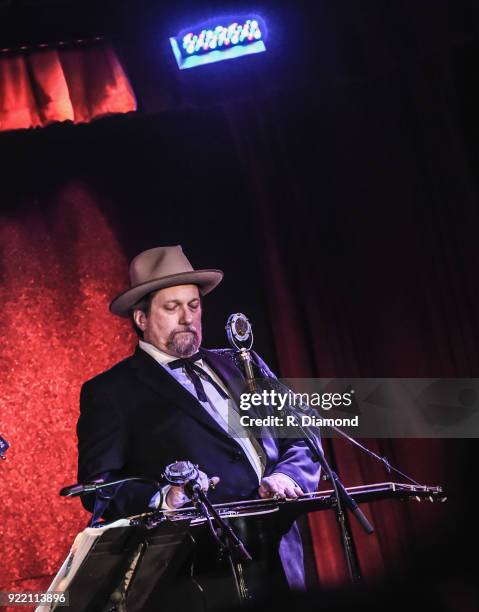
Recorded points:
(184, 361)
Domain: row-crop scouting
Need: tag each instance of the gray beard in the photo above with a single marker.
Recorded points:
(183, 345)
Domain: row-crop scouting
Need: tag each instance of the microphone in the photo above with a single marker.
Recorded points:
(178, 473)
(240, 336)
(4, 446)
(183, 474)
(238, 330)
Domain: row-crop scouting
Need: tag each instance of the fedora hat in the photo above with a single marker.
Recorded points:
(159, 268)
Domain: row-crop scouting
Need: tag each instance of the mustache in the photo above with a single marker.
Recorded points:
(186, 329)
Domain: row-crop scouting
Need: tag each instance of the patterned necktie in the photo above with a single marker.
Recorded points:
(195, 373)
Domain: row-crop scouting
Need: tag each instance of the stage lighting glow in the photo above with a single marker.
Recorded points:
(213, 42)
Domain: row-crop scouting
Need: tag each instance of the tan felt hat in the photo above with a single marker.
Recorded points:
(159, 268)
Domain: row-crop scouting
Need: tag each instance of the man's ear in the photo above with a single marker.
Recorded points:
(140, 319)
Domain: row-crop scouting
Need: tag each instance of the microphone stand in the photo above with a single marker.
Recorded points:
(339, 490)
(342, 497)
(230, 543)
(245, 356)
(390, 468)
(93, 487)
(240, 336)
(185, 474)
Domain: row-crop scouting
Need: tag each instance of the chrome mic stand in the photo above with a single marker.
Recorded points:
(240, 336)
(184, 473)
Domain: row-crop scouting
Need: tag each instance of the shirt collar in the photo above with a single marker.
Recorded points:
(160, 356)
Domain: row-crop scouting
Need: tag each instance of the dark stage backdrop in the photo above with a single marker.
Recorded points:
(345, 218)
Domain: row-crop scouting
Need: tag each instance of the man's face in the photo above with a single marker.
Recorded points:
(173, 324)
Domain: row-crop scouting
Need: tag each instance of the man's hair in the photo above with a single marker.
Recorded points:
(144, 305)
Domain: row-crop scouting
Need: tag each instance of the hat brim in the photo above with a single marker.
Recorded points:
(206, 280)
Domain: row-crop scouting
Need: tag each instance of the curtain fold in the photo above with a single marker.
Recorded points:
(365, 221)
(76, 83)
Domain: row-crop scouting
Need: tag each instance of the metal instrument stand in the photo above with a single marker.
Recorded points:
(228, 542)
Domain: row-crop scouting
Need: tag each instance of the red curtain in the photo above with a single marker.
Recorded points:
(76, 83)
(349, 296)
(306, 348)
(59, 269)
(366, 224)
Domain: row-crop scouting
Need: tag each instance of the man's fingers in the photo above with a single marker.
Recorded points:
(293, 492)
(268, 485)
(206, 482)
(175, 498)
(214, 481)
(279, 487)
(265, 492)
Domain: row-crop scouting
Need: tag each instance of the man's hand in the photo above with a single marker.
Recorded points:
(175, 498)
(280, 486)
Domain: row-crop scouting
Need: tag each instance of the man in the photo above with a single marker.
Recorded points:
(170, 401)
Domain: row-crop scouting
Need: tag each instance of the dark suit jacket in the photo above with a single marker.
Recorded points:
(136, 418)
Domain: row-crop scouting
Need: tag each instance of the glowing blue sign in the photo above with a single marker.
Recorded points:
(214, 43)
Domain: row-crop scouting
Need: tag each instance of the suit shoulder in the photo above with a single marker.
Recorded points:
(229, 353)
(111, 376)
(225, 353)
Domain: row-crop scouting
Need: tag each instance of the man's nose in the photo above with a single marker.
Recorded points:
(186, 316)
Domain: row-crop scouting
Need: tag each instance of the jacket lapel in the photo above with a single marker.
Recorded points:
(152, 374)
(224, 367)
(233, 379)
